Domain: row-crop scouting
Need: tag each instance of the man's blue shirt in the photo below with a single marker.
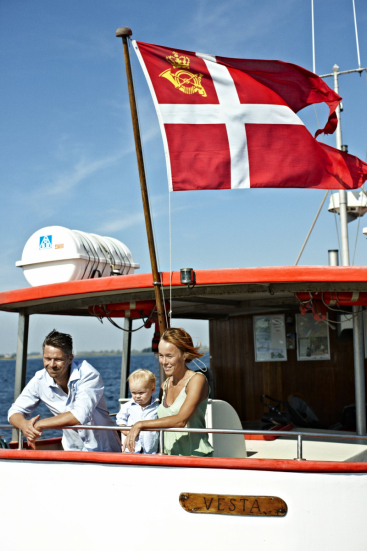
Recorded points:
(85, 401)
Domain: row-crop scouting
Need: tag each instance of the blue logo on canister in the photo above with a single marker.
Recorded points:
(45, 242)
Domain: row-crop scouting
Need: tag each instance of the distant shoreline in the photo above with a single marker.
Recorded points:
(79, 355)
(91, 354)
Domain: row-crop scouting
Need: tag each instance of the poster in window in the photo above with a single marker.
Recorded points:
(270, 338)
(312, 338)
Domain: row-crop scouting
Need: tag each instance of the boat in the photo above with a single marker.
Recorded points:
(303, 487)
(319, 484)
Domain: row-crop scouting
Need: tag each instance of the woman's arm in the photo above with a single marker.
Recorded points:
(196, 389)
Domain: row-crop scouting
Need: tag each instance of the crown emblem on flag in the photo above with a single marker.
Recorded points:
(183, 80)
(178, 61)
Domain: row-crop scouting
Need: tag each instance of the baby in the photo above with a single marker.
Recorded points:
(141, 406)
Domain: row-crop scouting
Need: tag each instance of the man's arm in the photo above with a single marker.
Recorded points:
(23, 407)
(89, 392)
(27, 427)
(33, 428)
(57, 421)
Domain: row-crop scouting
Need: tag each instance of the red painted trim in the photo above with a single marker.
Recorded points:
(44, 442)
(276, 274)
(188, 462)
(266, 436)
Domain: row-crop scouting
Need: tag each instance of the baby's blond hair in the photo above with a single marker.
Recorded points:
(143, 374)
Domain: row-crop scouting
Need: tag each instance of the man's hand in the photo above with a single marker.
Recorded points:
(30, 431)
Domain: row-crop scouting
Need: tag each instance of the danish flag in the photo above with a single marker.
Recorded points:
(232, 123)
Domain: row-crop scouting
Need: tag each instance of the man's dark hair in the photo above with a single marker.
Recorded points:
(59, 340)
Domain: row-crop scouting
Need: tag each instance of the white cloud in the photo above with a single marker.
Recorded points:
(233, 24)
(122, 223)
(81, 170)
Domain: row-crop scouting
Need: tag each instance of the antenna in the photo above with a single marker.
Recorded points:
(313, 38)
(357, 41)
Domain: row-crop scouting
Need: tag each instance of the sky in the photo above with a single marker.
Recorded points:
(67, 150)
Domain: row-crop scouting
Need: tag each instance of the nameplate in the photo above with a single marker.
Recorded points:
(218, 504)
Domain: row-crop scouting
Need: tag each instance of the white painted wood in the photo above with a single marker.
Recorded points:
(58, 506)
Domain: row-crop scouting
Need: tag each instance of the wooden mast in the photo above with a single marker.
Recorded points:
(124, 33)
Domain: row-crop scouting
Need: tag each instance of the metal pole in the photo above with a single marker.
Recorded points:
(299, 448)
(359, 384)
(21, 360)
(358, 344)
(125, 32)
(313, 38)
(342, 192)
(161, 443)
(126, 353)
(333, 255)
(357, 41)
(20, 439)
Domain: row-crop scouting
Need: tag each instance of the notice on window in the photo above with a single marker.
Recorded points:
(312, 338)
(270, 338)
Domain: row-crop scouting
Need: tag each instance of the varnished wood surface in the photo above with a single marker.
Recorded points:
(144, 193)
(326, 385)
(219, 504)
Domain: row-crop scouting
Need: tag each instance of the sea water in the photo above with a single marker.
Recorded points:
(108, 366)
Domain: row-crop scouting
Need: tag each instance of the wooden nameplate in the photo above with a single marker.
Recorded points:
(219, 504)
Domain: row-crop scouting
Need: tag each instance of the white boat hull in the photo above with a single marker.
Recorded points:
(76, 506)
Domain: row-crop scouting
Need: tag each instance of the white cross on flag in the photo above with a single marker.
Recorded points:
(232, 123)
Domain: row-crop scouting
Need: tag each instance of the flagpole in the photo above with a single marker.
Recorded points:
(342, 193)
(124, 33)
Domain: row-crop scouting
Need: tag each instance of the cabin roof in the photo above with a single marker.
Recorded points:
(217, 293)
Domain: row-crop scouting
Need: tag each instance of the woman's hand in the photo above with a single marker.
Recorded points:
(131, 437)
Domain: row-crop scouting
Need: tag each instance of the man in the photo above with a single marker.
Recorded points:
(73, 392)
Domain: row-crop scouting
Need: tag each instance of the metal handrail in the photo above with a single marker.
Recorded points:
(300, 435)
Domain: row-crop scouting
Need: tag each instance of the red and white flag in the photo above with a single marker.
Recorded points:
(232, 123)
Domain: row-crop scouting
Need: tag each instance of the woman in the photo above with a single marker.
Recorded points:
(184, 398)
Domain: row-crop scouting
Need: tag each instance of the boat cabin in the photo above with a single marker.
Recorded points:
(246, 359)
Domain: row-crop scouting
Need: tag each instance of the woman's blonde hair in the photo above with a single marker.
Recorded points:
(143, 374)
(183, 341)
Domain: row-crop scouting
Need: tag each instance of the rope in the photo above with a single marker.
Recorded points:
(311, 228)
(102, 306)
(329, 323)
(170, 256)
(148, 191)
(122, 329)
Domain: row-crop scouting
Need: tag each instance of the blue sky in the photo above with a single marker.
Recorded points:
(66, 142)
